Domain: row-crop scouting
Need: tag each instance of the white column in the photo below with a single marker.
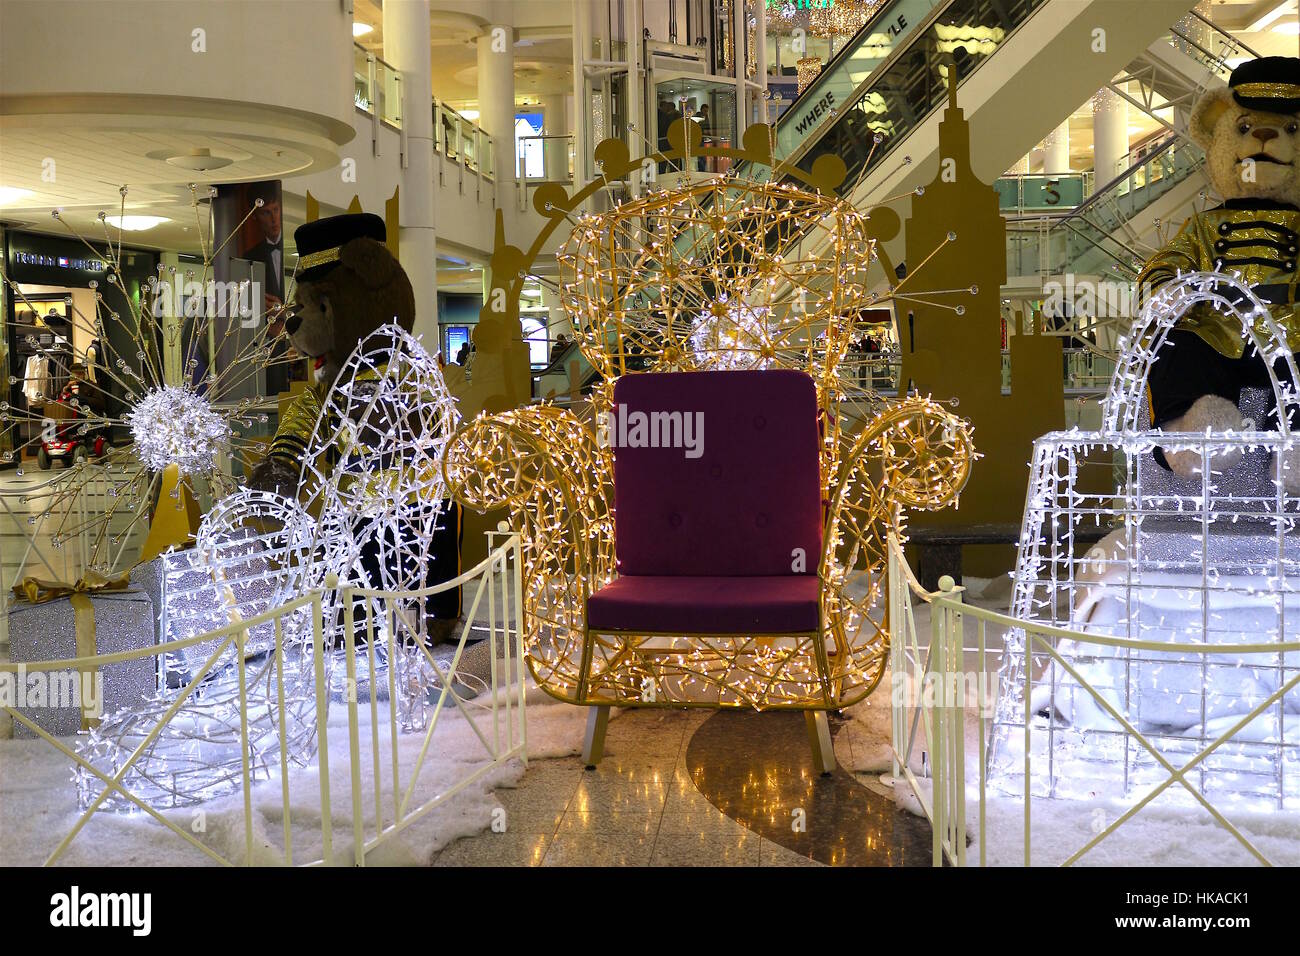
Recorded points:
(406, 47)
(559, 318)
(581, 53)
(636, 109)
(760, 58)
(738, 59)
(1056, 152)
(1109, 135)
(496, 96)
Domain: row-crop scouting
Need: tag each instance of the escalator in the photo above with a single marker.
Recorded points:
(836, 86)
(1053, 63)
(1118, 226)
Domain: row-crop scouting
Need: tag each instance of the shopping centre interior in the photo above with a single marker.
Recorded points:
(649, 432)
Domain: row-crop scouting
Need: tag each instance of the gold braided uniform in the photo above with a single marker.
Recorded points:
(297, 425)
(1257, 239)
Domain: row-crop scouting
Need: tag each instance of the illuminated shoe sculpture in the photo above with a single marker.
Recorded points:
(372, 468)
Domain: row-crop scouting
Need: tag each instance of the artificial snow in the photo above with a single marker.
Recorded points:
(1172, 830)
(38, 802)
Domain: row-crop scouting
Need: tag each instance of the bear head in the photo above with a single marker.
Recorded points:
(1251, 143)
(335, 307)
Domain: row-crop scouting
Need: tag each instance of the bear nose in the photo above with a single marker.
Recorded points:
(1263, 133)
(291, 322)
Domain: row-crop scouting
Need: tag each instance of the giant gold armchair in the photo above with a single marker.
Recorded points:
(745, 575)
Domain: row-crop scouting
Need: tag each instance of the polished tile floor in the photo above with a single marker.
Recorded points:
(655, 801)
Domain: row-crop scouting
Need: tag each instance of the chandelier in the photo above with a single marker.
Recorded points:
(807, 69)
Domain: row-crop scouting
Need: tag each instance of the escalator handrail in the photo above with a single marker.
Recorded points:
(560, 363)
(1098, 194)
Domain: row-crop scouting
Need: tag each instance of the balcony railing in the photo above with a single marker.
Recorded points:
(1039, 191)
(469, 152)
(545, 158)
(376, 87)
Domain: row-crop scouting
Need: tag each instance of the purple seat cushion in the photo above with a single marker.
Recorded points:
(780, 604)
(750, 498)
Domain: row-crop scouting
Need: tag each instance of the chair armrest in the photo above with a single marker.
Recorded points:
(916, 455)
(545, 466)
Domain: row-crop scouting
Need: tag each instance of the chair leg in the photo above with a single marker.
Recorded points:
(819, 735)
(593, 745)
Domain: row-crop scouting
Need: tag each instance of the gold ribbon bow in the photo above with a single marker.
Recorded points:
(38, 591)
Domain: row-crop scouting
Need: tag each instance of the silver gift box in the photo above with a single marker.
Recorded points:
(46, 632)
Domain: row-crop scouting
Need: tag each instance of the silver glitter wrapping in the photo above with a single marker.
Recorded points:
(43, 632)
(193, 602)
(1250, 478)
(148, 577)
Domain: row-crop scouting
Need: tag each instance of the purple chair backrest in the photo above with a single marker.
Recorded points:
(739, 489)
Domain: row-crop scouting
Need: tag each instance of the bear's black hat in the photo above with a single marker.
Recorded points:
(319, 242)
(1271, 84)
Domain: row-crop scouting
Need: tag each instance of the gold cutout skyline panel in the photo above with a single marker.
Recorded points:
(958, 357)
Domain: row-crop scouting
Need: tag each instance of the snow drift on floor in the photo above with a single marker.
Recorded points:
(1165, 833)
(38, 805)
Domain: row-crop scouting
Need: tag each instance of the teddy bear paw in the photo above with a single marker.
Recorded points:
(1212, 413)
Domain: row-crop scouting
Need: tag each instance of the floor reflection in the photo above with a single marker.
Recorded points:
(757, 769)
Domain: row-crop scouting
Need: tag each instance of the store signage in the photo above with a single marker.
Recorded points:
(59, 262)
(818, 110)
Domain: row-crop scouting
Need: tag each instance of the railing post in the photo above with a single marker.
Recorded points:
(948, 719)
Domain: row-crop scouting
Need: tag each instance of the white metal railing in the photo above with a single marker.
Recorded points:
(497, 720)
(376, 87)
(467, 150)
(553, 152)
(931, 699)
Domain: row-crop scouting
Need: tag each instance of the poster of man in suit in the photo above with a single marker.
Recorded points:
(258, 245)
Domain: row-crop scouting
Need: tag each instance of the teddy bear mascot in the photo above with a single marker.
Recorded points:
(348, 284)
(1250, 132)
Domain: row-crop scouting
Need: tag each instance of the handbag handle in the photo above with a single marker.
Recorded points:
(1140, 347)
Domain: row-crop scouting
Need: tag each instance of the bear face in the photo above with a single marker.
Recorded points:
(1249, 153)
(311, 329)
(330, 315)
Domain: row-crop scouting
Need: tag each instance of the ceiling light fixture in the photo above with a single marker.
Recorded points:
(9, 194)
(199, 159)
(360, 29)
(135, 223)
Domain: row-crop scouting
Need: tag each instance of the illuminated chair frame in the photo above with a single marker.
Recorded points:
(686, 280)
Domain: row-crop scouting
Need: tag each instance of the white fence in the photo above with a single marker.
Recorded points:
(932, 704)
(496, 717)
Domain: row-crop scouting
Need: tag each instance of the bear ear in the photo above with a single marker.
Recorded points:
(1206, 114)
(370, 260)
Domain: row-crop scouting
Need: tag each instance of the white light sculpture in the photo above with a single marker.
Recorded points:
(1208, 567)
(374, 466)
(732, 336)
(172, 425)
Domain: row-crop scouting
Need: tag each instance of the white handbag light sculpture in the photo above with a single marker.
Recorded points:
(1187, 613)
